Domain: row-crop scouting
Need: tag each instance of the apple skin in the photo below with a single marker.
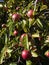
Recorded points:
(30, 13)
(16, 17)
(26, 54)
(47, 54)
(21, 38)
(15, 32)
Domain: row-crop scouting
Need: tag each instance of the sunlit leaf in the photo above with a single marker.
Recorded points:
(39, 23)
(35, 35)
(34, 54)
(29, 62)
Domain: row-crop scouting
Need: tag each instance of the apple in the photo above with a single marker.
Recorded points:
(17, 8)
(16, 17)
(15, 32)
(30, 13)
(47, 54)
(26, 54)
(22, 36)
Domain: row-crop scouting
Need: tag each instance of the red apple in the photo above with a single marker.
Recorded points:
(16, 17)
(15, 32)
(30, 13)
(26, 54)
(22, 36)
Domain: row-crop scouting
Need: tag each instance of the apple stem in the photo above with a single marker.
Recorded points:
(20, 61)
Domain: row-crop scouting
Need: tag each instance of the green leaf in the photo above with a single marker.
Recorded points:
(35, 35)
(25, 42)
(24, 25)
(13, 1)
(2, 32)
(43, 7)
(31, 22)
(3, 54)
(29, 62)
(11, 27)
(34, 54)
(39, 23)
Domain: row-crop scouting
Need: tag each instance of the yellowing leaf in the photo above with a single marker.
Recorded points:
(35, 35)
(34, 54)
(43, 7)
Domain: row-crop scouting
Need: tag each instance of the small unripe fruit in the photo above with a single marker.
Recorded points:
(16, 17)
(3, 25)
(26, 54)
(17, 8)
(15, 32)
(30, 13)
(47, 54)
(40, 38)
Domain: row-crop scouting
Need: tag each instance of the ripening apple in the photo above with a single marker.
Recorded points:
(16, 17)
(15, 32)
(22, 36)
(47, 54)
(30, 13)
(26, 54)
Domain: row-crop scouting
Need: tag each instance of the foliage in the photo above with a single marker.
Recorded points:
(36, 29)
